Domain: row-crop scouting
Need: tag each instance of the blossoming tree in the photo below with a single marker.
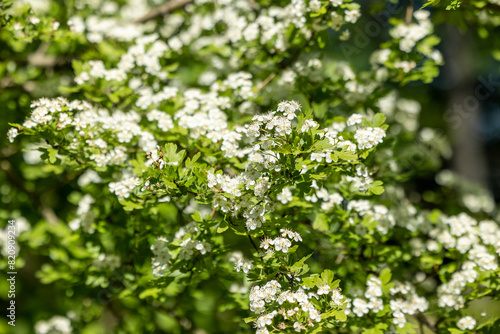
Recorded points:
(222, 167)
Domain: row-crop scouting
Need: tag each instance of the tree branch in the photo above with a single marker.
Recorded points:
(265, 82)
(409, 11)
(163, 9)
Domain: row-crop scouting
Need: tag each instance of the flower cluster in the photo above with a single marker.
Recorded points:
(281, 243)
(56, 324)
(85, 216)
(161, 256)
(107, 261)
(369, 137)
(240, 263)
(279, 122)
(378, 213)
(403, 301)
(288, 307)
(123, 188)
(466, 323)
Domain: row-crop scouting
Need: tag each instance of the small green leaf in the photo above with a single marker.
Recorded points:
(320, 222)
(222, 227)
(249, 319)
(322, 145)
(346, 155)
(327, 276)
(409, 328)
(378, 329)
(378, 120)
(52, 155)
(340, 316)
(196, 216)
(385, 276)
(190, 162)
(153, 292)
(297, 266)
(129, 205)
(376, 188)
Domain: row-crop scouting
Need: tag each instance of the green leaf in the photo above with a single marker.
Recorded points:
(376, 188)
(222, 227)
(172, 155)
(455, 331)
(378, 329)
(322, 145)
(301, 118)
(385, 276)
(196, 216)
(153, 292)
(320, 222)
(138, 166)
(409, 328)
(310, 282)
(52, 155)
(346, 155)
(327, 276)
(249, 319)
(340, 316)
(378, 120)
(129, 205)
(190, 162)
(297, 266)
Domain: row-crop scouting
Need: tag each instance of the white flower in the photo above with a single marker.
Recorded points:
(11, 134)
(324, 289)
(282, 244)
(308, 124)
(285, 196)
(369, 137)
(360, 307)
(466, 322)
(298, 326)
(354, 119)
(56, 324)
(314, 5)
(352, 15)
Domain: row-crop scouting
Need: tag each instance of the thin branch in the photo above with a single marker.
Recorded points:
(163, 9)
(285, 63)
(253, 243)
(251, 240)
(265, 82)
(40, 59)
(409, 11)
(422, 319)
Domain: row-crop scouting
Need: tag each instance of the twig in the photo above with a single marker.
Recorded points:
(251, 240)
(163, 9)
(423, 320)
(409, 11)
(265, 82)
(284, 64)
(40, 59)
(253, 4)
(253, 243)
